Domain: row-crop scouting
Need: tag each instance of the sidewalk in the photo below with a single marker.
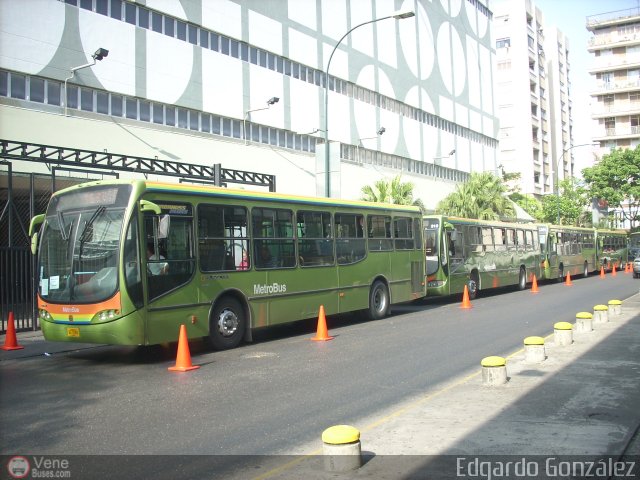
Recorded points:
(582, 403)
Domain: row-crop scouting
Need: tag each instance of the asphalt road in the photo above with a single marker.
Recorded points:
(277, 394)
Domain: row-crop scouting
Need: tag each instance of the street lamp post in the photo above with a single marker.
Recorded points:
(272, 101)
(398, 16)
(435, 159)
(97, 56)
(557, 177)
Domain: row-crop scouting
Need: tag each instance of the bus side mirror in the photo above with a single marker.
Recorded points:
(33, 225)
(147, 206)
(34, 243)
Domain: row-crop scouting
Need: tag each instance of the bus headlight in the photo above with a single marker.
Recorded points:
(105, 315)
(43, 314)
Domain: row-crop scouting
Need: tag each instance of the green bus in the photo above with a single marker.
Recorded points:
(479, 254)
(613, 248)
(128, 262)
(567, 250)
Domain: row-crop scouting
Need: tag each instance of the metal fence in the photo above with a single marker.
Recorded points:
(17, 288)
(22, 195)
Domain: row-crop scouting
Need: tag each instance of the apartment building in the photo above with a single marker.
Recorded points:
(532, 97)
(615, 74)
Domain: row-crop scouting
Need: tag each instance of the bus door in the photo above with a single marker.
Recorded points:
(169, 264)
(453, 254)
(437, 269)
(547, 250)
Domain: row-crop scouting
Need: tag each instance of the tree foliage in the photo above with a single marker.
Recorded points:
(529, 204)
(482, 197)
(616, 179)
(569, 207)
(391, 191)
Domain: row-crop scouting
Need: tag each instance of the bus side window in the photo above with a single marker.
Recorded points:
(520, 243)
(487, 239)
(511, 240)
(350, 245)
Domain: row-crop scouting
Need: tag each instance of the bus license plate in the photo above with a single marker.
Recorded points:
(73, 332)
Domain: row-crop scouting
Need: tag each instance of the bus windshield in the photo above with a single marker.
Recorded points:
(431, 245)
(79, 245)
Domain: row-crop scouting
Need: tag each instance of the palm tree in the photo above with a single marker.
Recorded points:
(482, 197)
(391, 191)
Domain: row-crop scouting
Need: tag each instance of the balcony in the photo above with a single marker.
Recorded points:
(615, 62)
(615, 109)
(616, 87)
(612, 40)
(617, 133)
(610, 18)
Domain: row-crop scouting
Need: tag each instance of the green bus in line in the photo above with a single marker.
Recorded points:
(479, 254)
(613, 248)
(567, 250)
(128, 262)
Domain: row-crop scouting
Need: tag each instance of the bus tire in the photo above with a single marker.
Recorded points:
(378, 300)
(227, 324)
(473, 285)
(522, 279)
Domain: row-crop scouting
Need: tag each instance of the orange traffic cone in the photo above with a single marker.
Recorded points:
(568, 280)
(322, 335)
(613, 272)
(183, 359)
(627, 267)
(465, 299)
(602, 272)
(10, 340)
(534, 284)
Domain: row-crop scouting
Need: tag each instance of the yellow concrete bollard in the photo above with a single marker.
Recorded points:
(341, 448)
(534, 350)
(584, 322)
(563, 334)
(615, 307)
(494, 371)
(600, 314)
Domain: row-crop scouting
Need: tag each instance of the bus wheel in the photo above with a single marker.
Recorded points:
(522, 279)
(472, 286)
(378, 300)
(227, 325)
(585, 272)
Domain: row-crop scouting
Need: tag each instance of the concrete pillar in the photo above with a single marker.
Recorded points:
(615, 307)
(341, 448)
(584, 322)
(534, 350)
(494, 371)
(600, 314)
(563, 334)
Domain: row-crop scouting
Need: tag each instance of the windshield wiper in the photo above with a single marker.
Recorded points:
(63, 232)
(88, 223)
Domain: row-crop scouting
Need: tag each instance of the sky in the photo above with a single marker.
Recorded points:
(569, 16)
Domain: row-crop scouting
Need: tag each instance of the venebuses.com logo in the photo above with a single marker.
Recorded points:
(39, 467)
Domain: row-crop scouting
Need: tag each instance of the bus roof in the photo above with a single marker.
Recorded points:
(250, 195)
(475, 221)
